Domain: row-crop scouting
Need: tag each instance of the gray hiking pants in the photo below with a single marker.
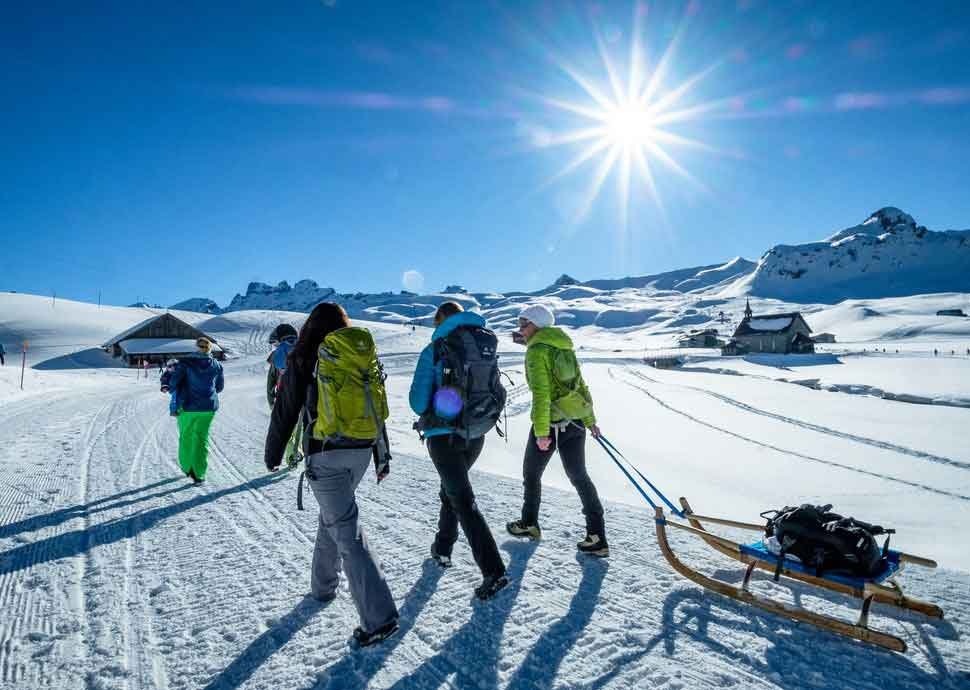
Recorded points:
(333, 476)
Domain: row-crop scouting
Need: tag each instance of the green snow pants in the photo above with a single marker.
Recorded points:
(194, 441)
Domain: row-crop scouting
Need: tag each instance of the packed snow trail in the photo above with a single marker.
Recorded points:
(117, 573)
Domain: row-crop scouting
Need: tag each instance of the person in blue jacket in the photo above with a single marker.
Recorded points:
(453, 456)
(196, 382)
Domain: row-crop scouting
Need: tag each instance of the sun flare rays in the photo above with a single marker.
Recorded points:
(621, 125)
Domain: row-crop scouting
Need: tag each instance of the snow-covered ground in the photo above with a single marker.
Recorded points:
(116, 573)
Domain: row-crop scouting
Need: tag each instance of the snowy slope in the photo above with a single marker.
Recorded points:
(888, 255)
(114, 573)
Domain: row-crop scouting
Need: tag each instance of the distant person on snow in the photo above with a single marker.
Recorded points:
(336, 457)
(562, 411)
(2, 353)
(195, 383)
(283, 339)
(453, 437)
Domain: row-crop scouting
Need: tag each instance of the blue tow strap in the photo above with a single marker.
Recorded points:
(610, 449)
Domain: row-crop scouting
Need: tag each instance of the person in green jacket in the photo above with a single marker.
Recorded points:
(562, 411)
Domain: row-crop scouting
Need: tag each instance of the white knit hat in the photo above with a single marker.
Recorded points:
(539, 314)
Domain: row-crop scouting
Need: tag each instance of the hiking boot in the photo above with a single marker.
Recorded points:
(322, 598)
(366, 639)
(594, 545)
(440, 559)
(197, 480)
(517, 528)
(490, 586)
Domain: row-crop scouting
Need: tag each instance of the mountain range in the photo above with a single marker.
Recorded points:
(887, 255)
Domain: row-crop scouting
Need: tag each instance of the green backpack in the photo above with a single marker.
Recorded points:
(573, 403)
(351, 398)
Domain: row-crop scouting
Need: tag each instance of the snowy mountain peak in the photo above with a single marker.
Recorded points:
(202, 305)
(565, 279)
(888, 255)
(890, 216)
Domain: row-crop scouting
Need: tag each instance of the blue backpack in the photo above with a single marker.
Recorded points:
(281, 352)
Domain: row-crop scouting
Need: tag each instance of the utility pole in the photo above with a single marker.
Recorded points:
(99, 299)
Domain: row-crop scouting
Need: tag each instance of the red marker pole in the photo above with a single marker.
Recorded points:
(23, 366)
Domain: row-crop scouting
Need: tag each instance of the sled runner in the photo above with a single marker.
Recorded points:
(880, 587)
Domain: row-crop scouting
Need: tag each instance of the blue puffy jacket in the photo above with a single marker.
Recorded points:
(428, 376)
(197, 380)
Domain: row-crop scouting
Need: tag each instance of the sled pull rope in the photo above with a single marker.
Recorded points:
(608, 446)
(628, 475)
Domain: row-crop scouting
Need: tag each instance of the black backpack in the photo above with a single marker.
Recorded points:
(826, 541)
(469, 359)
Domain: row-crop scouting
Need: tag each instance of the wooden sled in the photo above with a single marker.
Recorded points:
(881, 588)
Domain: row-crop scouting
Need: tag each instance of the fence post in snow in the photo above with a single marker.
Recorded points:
(23, 366)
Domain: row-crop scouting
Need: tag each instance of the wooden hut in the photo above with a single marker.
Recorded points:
(158, 339)
(780, 333)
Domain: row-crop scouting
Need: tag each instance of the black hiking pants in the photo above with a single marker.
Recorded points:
(453, 457)
(571, 443)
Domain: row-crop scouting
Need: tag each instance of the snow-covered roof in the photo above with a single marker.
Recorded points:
(770, 323)
(124, 334)
(775, 324)
(159, 346)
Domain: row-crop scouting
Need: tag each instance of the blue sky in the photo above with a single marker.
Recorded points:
(154, 151)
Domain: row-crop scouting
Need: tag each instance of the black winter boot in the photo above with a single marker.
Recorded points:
(594, 545)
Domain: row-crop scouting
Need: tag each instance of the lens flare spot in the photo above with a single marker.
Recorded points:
(447, 402)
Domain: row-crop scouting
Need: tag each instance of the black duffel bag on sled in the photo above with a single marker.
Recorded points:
(826, 541)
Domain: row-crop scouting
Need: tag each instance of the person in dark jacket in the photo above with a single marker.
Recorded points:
(453, 456)
(195, 383)
(333, 471)
(2, 353)
(283, 339)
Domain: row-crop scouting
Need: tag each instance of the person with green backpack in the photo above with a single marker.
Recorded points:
(334, 379)
(562, 411)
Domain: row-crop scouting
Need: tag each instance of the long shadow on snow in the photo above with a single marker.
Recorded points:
(91, 358)
(62, 515)
(350, 672)
(78, 541)
(800, 655)
(472, 652)
(541, 664)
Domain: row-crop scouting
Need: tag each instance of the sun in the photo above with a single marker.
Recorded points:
(624, 124)
(629, 126)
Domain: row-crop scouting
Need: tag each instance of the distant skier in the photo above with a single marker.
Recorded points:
(3, 363)
(456, 435)
(562, 411)
(195, 383)
(283, 339)
(337, 456)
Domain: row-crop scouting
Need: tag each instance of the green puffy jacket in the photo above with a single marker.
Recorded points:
(553, 375)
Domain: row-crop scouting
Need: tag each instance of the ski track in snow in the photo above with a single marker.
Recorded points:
(117, 573)
(764, 444)
(875, 443)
